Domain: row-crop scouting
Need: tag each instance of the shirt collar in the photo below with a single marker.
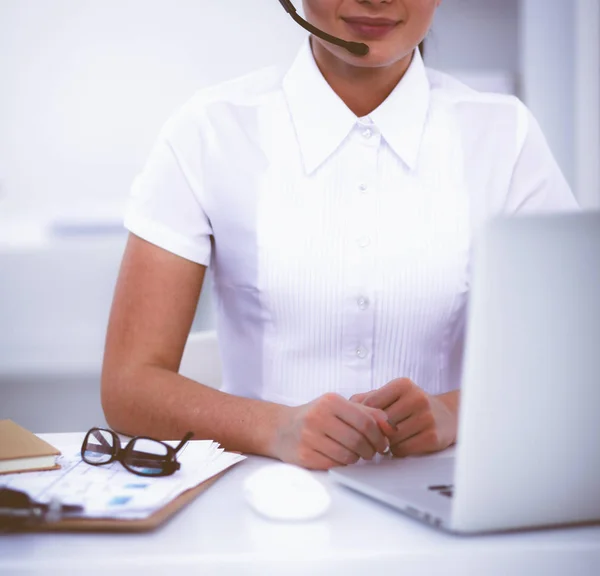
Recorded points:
(322, 120)
(401, 117)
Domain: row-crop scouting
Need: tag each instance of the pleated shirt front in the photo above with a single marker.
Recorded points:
(339, 247)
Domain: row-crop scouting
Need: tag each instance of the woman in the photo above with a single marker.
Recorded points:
(337, 205)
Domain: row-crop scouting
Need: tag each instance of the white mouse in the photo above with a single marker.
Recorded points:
(286, 492)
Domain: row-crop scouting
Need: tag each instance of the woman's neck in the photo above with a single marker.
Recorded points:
(361, 89)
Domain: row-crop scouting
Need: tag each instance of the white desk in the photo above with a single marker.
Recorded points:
(219, 534)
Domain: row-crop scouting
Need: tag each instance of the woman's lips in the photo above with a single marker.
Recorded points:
(370, 29)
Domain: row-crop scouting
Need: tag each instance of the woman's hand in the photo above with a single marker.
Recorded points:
(422, 423)
(330, 431)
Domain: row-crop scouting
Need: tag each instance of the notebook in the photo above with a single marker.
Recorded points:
(23, 451)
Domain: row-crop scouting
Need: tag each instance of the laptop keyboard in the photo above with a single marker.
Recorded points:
(444, 490)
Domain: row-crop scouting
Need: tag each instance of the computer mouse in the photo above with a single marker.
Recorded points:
(286, 492)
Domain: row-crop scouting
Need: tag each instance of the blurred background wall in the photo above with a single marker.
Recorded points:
(85, 86)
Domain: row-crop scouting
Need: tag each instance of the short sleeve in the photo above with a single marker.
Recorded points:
(165, 206)
(537, 183)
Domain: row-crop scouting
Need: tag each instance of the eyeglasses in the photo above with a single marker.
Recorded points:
(142, 455)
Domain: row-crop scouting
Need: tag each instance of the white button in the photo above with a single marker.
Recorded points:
(361, 352)
(363, 303)
(363, 187)
(367, 133)
(364, 241)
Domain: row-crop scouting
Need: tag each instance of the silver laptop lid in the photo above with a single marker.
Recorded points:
(529, 436)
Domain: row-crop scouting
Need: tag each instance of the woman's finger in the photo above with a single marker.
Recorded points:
(399, 411)
(382, 420)
(332, 449)
(319, 461)
(388, 394)
(362, 420)
(415, 403)
(409, 427)
(349, 438)
(359, 398)
(420, 443)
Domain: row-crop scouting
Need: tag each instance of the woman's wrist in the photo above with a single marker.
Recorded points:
(451, 401)
(277, 417)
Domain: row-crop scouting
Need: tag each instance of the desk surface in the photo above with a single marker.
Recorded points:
(219, 534)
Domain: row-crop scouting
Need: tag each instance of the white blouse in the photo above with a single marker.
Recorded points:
(339, 246)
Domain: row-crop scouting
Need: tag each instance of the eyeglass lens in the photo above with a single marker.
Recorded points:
(146, 456)
(99, 447)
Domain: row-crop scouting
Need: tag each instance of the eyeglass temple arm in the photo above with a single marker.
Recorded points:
(183, 441)
(97, 434)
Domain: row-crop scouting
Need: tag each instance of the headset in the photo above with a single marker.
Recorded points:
(356, 48)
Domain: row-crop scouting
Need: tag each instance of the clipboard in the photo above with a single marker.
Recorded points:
(148, 524)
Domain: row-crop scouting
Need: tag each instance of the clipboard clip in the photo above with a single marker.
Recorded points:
(19, 511)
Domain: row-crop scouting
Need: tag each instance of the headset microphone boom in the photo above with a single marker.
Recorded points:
(356, 48)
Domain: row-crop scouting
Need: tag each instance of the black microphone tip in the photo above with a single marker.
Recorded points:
(358, 49)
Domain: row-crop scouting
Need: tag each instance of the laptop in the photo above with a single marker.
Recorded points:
(528, 448)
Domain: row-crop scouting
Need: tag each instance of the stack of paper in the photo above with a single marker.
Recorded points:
(111, 491)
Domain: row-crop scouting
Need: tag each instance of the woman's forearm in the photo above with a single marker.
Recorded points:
(152, 401)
